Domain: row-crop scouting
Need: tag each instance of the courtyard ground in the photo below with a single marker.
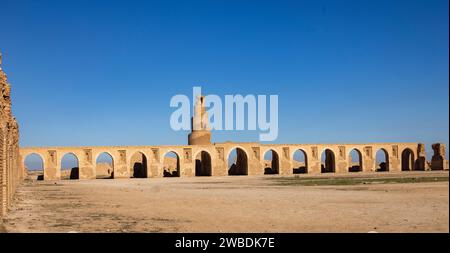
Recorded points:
(361, 202)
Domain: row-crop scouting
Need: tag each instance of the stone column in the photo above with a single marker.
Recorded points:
(155, 166)
(421, 161)
(394, 162)
(285, 162)
(438, 161)
(86, 167)
(120, 165)
(219, 163)
(368, 163)
(187, 163)
(341, 160)
(313, 160)
(254, 165)
(51, 169)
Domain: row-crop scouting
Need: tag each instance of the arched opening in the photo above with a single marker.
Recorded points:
(237, 162)
(407, 160)
(203, 165)
(104, 166)
(328, 164)
(34, 164)
(382, 160)
(69, 167)
(138, 168)
(171, 165)
(355, 161)
(271, 163)
(300, 162)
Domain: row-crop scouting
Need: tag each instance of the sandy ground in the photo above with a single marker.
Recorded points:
(227, 204)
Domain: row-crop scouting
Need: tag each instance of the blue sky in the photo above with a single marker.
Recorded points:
(103, 72)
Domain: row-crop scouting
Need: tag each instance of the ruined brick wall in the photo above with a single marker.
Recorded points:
(10, 175)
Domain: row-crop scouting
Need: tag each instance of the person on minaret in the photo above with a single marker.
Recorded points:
(200, 130)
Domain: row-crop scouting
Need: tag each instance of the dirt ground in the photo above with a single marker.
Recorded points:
(229, 204)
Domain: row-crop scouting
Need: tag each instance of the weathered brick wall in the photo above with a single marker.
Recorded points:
(10, 176)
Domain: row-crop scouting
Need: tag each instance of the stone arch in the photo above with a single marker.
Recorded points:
(171, 164)
(407, 159)
(233, 148)
(271, 166)
(381, 160)
(104, 165)
(38, 161)
(240, 164)
(203, 163)
(328, 161)
(300, 161)
(74, 168)
(138, 165)
(355, 160)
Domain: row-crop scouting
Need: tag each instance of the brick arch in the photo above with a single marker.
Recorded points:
(171, 151)
(138, 169)
(330, 165)
(203, 167)
(241, 167)
(43, 160)
(385, 167)
(138, 152)
(407, 158)
(131, 152)
(167, 173)
(42, 156)
(360, 159)
(235, 147)
(386, 149)
(275, 162)
(195, 154)
(74, 172)
(295, 149)
(97, 155)
(302, 169)
(70, 153)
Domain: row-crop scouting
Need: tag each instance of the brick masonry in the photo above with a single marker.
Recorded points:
(10, 175)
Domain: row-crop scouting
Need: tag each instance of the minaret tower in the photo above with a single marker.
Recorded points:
(201, 133)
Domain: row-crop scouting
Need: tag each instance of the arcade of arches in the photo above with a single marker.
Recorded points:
(223, 159)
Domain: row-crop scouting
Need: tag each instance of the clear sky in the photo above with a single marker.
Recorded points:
(103, 72)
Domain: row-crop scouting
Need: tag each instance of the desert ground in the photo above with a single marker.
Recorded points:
(361, 202)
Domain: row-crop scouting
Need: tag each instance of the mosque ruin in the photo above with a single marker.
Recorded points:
(201, 157)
